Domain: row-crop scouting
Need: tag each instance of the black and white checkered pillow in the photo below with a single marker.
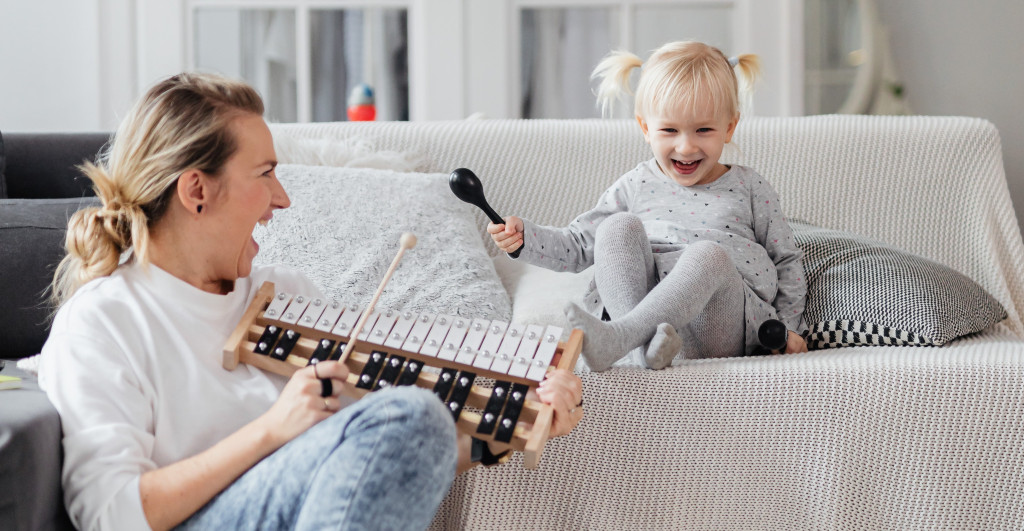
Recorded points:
(863, 292)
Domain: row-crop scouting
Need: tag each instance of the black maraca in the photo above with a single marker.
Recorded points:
(773, 336)
(466, 186)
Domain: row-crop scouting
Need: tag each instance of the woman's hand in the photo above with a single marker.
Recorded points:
(562, 390)
(173, 492)
(509, 235)
(300, 405)
(795, 343)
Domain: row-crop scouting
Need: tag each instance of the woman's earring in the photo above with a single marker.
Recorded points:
(199, 209)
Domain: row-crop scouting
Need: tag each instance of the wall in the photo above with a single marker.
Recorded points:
(965, 58)
(49, 78)
(66, 65)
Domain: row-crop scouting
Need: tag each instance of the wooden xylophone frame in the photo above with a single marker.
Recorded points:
(534, 422)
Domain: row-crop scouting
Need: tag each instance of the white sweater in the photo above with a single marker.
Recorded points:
(133, 366)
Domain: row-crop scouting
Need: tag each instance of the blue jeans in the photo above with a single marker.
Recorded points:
(385, 462)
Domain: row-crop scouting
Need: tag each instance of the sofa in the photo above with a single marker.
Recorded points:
(862, 432)
(39, 188)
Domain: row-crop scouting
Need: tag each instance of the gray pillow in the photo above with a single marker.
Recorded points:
(864, 292)
(342, 231)
(31, 244)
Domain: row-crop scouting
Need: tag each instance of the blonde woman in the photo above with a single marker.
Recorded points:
(156, 433)
(690, 255)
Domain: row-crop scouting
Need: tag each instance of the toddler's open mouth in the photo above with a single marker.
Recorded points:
(685, 167)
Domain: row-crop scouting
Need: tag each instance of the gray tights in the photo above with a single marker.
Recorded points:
(695, 310)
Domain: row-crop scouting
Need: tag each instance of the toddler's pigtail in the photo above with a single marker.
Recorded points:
(748, 71)
(614, 71)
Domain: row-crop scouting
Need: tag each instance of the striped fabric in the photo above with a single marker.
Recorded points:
(875, 437)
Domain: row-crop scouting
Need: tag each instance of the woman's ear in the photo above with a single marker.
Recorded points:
(192, 190)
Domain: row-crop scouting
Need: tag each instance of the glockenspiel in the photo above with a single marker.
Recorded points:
(482, 369)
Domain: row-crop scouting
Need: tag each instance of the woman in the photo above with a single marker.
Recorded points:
(156, 433)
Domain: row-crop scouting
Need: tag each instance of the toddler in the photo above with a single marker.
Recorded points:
(690, 255)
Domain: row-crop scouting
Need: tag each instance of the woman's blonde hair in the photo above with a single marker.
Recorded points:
(181, 123)
(686, 75)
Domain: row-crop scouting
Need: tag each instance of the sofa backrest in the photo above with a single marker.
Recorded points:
(40, 188)
(44, 165)
(934, 186)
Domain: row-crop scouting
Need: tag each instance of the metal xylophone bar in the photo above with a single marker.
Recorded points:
(282, 333)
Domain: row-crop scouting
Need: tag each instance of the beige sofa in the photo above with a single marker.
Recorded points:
(849, 438)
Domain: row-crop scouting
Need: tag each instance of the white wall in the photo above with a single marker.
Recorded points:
(965, 58)
(66, 65)
(49, 52)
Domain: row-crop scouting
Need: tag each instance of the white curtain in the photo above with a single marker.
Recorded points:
(560, 48)
(268, 60)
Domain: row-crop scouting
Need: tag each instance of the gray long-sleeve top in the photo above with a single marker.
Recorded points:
(740, 211)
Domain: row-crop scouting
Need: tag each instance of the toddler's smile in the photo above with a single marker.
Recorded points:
(686, 167)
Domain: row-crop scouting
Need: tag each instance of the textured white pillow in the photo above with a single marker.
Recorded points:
(539, 295)
(342, 231)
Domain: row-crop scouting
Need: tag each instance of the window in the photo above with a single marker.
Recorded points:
(449, 59)
(560, 47)
(304, 61)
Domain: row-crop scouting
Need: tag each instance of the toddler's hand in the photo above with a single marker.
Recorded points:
(509, 235)
(795, 343)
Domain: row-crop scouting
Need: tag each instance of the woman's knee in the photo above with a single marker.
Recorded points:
(422, 404)
(421, 417)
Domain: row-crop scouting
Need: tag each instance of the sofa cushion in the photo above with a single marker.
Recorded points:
(343, 228)
(864, 292)
(32, 244)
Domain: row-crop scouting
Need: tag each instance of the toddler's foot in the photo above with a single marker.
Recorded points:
(602, 346)
(663, 347)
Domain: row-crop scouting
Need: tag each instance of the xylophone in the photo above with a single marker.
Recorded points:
(456, 357)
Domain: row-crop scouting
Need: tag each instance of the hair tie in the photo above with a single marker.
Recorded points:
(116, 220)
(111, 210)
(733, 61)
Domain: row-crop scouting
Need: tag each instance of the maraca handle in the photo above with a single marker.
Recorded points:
(491, 214)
